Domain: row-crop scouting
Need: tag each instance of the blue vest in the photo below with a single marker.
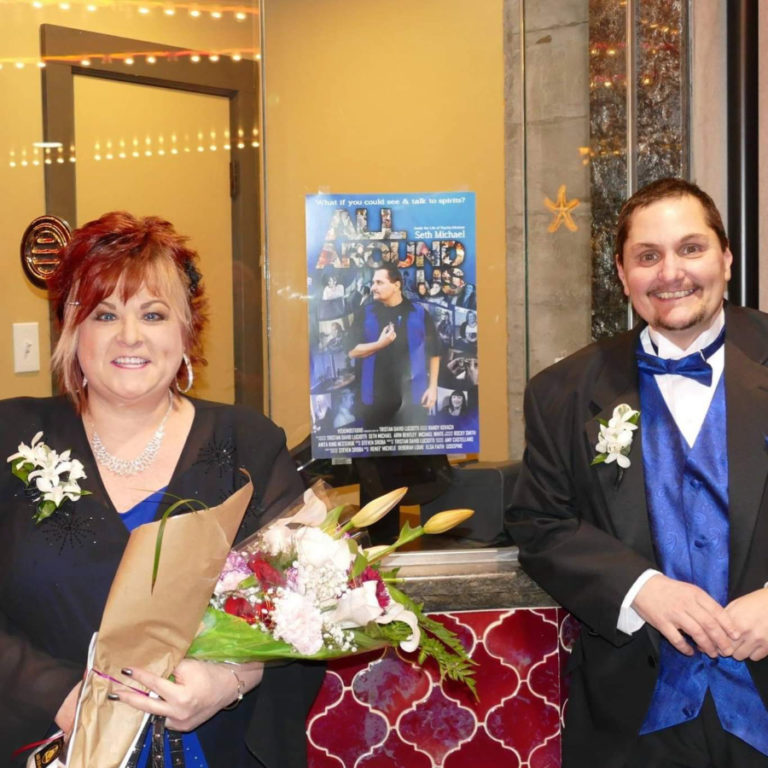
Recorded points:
(687, 495)
(416, 353)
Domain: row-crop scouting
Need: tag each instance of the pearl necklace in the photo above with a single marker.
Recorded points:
(125, 467)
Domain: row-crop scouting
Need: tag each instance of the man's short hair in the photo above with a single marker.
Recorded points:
(393, 273)
(659, 190)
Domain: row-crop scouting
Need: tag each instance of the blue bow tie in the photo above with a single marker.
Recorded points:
(693, 366)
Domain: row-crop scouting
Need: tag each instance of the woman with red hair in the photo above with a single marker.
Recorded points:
(131, 308)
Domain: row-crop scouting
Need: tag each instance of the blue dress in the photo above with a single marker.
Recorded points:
(146, 512)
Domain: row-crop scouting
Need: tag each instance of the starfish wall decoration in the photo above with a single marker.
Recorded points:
(562, 210)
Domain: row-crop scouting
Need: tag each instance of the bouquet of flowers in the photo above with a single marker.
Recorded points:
(300, 588)
(303, 587)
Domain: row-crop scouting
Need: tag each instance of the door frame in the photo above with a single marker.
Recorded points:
(63, 48)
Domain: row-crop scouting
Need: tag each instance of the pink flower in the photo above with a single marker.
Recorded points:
(234, 571)
(298, 622)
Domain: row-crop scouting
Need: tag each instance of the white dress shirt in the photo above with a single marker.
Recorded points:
(688, 402)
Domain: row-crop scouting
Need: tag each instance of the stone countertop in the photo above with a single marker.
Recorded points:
(467, 579)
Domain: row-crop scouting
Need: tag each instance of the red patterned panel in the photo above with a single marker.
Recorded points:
(544, 678)
(331, 691)
(523, 637)
(319, 759)
(524, 722)
(546, 755)
(482, 751)
(381, 710)
(394, 753)
(438, 726)
(348, 730)
(391, 686)
(495, 682)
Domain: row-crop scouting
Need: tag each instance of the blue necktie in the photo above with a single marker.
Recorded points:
(694, 366)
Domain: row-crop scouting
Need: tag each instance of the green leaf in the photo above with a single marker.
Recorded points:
(358, 566)
(441, 644)
(332, 520)
(599, 459)
(21, 469)
(229, 638)
(161, 531)
(44, 510)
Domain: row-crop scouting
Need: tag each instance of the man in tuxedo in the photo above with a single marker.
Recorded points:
(654, 534)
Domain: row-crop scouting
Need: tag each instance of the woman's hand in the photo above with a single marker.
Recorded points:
(65, 717)
(199, 690)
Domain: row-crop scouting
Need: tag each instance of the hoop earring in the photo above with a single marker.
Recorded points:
(190, 375)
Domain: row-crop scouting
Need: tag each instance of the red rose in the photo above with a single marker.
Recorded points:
(240, 607)
(266, 574)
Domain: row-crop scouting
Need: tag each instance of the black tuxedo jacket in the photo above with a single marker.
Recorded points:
(583, 530)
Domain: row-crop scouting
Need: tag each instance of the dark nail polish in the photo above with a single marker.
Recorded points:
(113, 697)
(126, 671)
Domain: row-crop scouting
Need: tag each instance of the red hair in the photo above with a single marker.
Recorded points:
(121, 252)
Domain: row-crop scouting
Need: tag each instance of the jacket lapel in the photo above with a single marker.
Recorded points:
(623, 491)
(746, 388)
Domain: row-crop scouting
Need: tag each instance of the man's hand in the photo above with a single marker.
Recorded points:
(749, 614)
(429, 398)
(676, 607)
(387, 335)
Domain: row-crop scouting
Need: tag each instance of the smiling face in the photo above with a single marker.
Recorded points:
(131, 350)
(674, 269)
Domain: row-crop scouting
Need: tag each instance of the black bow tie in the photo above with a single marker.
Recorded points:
(693, 366)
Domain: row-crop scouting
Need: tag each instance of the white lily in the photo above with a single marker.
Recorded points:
(54, 475)
(615, 438)
(30, 453)
(356, 607)
(397, 612)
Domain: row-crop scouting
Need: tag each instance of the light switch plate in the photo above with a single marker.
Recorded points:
(26, 347)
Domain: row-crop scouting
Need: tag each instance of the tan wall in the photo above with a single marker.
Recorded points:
(372, 97)
(22, 187)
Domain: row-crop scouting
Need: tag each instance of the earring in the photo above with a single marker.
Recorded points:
(85, 382)
(190, 375)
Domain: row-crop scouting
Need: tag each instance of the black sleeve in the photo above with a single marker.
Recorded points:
(431, 338)
(356, 333)
(33, 683)
(33, 686)
(283, 487)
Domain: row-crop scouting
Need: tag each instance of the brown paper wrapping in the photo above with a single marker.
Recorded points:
(151, 628)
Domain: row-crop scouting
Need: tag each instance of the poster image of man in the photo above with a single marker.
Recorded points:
(393, 350)
(398, 352)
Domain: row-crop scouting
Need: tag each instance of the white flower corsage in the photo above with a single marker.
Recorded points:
(53, 476)
(615, 439)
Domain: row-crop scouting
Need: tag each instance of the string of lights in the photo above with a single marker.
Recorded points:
(162, 145)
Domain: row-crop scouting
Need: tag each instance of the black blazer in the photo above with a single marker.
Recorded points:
(584, 535)
(54, 577)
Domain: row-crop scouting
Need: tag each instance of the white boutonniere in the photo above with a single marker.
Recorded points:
(52, 477)
(615, 439)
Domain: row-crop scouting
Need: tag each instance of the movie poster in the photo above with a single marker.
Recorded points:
(392, 324)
